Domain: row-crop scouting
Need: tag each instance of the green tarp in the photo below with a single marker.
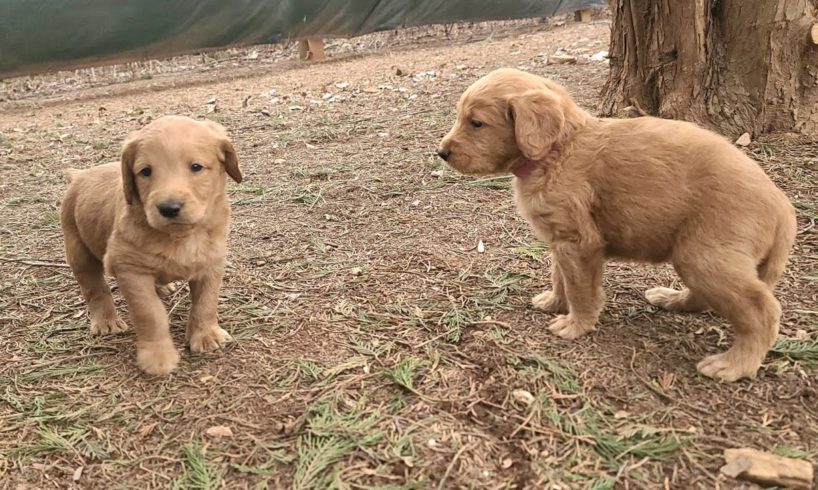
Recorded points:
(43, 35)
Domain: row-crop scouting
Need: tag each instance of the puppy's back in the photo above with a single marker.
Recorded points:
(91, 204)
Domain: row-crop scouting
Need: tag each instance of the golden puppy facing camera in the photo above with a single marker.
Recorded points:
(644, 189)
(159, 215)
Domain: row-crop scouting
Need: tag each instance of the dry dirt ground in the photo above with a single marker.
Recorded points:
(375, 346)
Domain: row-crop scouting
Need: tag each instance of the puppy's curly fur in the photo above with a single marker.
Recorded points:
(644, 189)
(118, 215)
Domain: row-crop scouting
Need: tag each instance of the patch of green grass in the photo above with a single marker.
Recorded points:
(371, 348)
(639, 442)
(49, 219)
(52, 439)
(60, 371)
(499, 334)
(309, 370)
(536, 251)
(317, 244)
(404, 372)
(309, 194)
(456, 319)
(804, 351)
(198, 473)
(538, 367)
(17, 201)
(502, 284)
(495, 183)
(790, 452)
(330, 435)
(805, 208)
(255, 195)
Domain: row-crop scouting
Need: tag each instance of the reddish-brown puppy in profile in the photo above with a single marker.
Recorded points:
(642, 189)
(159, 215)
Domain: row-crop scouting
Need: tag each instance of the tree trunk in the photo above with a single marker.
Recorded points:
(732, 65)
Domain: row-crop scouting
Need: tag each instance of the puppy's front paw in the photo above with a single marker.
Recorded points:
(158, 358)
(549, 301)
(208, 339)
(569, 327)
(106, 325)
(729, 366)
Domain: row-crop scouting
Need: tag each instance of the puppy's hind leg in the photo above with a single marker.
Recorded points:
(89, 272)
(674, 300)
(732, 288)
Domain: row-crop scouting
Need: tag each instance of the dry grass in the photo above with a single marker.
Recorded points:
(375, 347)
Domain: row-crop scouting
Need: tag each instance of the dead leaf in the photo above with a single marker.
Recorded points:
(146, 430)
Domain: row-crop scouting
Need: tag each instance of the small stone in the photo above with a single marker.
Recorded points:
(507, 463)
(743, 140)
(265, 112)
(481, 247)
(219, 431)
(523, 396)
(801, 334)
(279, 161)
(77, 474)
(436, 173)
(356, 271)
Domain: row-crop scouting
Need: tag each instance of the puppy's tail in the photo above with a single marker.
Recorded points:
(772, 267)
(69, 174)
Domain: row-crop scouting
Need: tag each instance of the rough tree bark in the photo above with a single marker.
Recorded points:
(733, 65)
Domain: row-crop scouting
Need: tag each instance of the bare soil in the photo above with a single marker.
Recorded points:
(375, 346)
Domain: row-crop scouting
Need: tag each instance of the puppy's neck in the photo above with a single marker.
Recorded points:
(526, 166)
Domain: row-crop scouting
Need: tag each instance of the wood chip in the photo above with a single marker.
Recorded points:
(743, 140)
(562, 60)
(767, 469)
(219, 431)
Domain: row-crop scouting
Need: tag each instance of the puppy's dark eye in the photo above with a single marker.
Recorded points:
(475, 123)
(195, 167)
(145, 172)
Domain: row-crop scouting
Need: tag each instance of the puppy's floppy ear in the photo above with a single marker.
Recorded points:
(538, 122)
(129, 151)
(227, 153)
(230, 160)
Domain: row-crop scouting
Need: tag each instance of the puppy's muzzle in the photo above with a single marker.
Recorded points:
(170, 209)
(444, 154)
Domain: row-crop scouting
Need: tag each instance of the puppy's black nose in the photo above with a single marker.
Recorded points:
(444, 154)
(170, 209)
